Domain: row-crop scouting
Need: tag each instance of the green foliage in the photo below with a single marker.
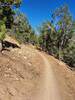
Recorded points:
(69, 55)
(7, 12)
(33, 38)
(2, 30)
(2, 36)
(48, 38)
(23, 30)
(11, 2)
(57, 42)
(6, 16)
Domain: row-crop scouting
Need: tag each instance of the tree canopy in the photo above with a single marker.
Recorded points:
(57, 39)
(7, 12)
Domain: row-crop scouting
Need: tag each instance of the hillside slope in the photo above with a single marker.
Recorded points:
(27, 74)
(19, 73)
(65, 78)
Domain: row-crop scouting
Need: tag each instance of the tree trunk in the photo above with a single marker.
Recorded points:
(1, 45)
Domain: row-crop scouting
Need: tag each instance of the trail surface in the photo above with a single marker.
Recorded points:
(27, 74)
(49, 89)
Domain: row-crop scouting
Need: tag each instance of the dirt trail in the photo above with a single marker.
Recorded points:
(49, 89)
(34, 76)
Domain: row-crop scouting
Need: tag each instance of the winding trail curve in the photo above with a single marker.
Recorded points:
(49, 89)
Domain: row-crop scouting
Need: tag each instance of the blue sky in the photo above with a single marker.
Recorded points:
(38, 11)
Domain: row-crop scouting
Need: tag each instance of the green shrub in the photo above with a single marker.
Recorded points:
(2, 31)
(2, 36)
